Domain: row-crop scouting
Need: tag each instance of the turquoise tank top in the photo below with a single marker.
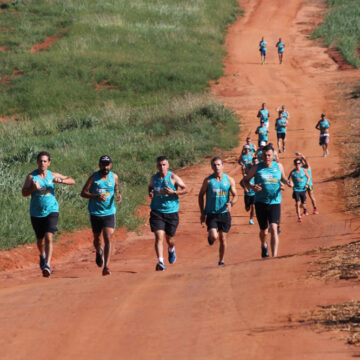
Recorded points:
(43, 201)
(310, 176)
(264, 114)
(324, 124)
(247, 160)
(280, 46)
(280, 128)
(263, 131)
(262, 45)
(285, 114)
(259, 156)
(299, 180)
(251, 192)
(269, 180)
(252, 149)
(217, 195)
(166, 204)
(99, 186)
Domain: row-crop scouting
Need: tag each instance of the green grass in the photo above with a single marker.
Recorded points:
(341, 29)
(158, 55)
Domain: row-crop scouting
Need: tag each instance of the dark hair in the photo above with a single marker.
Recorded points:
(297, 161)
(268, 147)
(216, 158)
(161, 158)
(42, 153)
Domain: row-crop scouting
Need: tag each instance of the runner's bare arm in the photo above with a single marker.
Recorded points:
(62, 179)
(307, 177)
(116, 188)
(202, 193)
(29, 186)
(85, 192)
(248, 177)
(284, 180)
(234, 199)
(317, 126)
(289, 179)
(180, 183)
(151, 188)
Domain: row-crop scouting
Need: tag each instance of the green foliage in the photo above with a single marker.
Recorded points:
(341, 29)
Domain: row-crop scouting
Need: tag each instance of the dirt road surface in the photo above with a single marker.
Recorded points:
(196, 310)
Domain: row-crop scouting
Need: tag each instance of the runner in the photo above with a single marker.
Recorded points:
(164, 219)
(281, 47)
(252, 146)
(310, 189)
(249, 195)
(268, 176)
(262, 49)
(262, 133)
(101, 188)
(217, 188)
(264, 114)
(280, 127)
(299, 180)
(245, 159)
(285, 113)
(323, 125)
(259, 152)
(44, 209)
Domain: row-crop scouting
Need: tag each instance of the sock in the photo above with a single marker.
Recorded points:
(43, 255)
(161, 259)
(171, 250)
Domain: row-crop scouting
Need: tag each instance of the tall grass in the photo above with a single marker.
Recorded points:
(341, 29)
(157, 55)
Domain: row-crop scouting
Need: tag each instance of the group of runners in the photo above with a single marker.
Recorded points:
(263, 48)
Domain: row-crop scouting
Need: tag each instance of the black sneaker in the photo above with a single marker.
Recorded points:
(221, 263)
(264, 251)
(210, 241)
(100, 258)
(278, 229)
(46, 270)
(160, 266)
(106, 271)
(42, 262)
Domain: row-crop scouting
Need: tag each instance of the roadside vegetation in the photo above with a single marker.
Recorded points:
(126, 78)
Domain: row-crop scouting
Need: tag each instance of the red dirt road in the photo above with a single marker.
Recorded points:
(196, 310)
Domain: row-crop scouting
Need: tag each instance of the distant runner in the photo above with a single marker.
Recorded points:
(285, 113)
(280, 127)
(263, 114)
(44, 209)
(262, 133)
(323, 125)
(310, 189)
(299, 180)
(268, 177)
(101, 188)
(245, 159)
(164, 190)
(252, 146)
(217, 188)
(281, 47)
(262, 49)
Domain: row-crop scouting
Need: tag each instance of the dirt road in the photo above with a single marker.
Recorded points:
(196, 310)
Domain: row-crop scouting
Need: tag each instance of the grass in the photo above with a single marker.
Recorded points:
(341, 29)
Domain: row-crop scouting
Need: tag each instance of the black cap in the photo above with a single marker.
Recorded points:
(105, 159)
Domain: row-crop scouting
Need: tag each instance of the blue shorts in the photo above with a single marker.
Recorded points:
(263, 52)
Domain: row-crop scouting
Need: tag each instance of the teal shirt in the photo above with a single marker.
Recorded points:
(217, 195)
(324, 124)
(310, 176)
(251, 192)
(269, 180)
(43, 201)
(247, 160)
(263, 133)
(99, 186)
(262, 45)
(166, 204)
(280, 128)
(264, 115)
(299, 179)
(285, 114)
(252, 149)
(280, 46)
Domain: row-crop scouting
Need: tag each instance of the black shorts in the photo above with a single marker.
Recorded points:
(98, 223)
(221, 222)
(267, 214)
(248, 200)
(42, 225)
(281, 135)
(324, 140)
(165, 222)
(299, 196)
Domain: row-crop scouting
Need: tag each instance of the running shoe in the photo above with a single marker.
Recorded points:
(106, 271)
(46, 270)
(160, 266)
(210, 241)
(42, 262)
(315, 212)
(306, 213)
(279, 151)
(172, 257)
(251, 222)
(283, 149)
(264, 251)
(221, 263)
(299, 219)
(100, 258)
(278, 229)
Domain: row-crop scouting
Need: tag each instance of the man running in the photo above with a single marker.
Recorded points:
(217, 188)
(323, 125)
(299, 180)
(245, 159)
(285, 112)
(44, 209)
(268, 177)
(281, 47)
(263, 114)
(310, 189)
(249, 195)
(252, 146)
(101, 188)
(262, 133)
(164, 190)
(280, 127)
(262, 49)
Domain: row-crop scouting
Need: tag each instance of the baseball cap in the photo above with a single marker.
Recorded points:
(246, 147)
(105, 159)
(262, 143)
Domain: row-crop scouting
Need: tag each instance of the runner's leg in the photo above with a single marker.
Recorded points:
(107, 234)
(274, 239)
(48, 246)
(222, 246)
